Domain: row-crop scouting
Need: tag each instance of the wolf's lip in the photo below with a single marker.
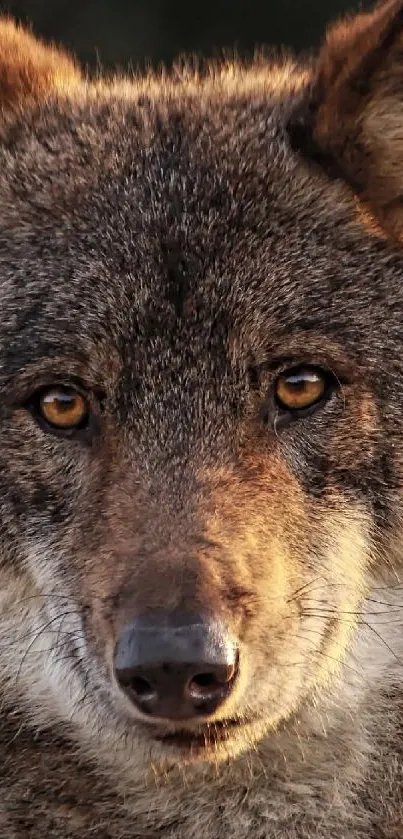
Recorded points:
(205, 736)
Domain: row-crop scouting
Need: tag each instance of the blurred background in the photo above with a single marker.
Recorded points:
(118, 33)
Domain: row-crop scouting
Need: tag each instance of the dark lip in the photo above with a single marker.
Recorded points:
(204, 737)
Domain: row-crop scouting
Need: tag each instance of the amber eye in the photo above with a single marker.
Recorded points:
(297, 390)
(64, 408)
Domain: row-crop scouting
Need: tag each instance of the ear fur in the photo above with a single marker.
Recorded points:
(353, 122)
(29, 69)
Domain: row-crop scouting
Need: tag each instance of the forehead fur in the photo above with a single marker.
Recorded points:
(176, 202)
(161, 211)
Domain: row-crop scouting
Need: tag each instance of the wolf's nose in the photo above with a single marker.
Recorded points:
(176, 667)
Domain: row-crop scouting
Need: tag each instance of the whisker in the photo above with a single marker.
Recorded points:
(37, 635)
(37, 630)
(298, 591)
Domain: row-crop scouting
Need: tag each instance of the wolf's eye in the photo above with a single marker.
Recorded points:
(63, 408)
(300, 389)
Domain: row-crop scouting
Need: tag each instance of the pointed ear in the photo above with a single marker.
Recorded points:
(29, 69)
(353, 122)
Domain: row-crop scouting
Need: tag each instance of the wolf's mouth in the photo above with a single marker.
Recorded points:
(204, 737)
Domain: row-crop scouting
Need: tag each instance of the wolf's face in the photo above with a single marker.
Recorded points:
(201, 401)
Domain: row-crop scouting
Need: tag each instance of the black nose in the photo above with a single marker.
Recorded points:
(176, 667)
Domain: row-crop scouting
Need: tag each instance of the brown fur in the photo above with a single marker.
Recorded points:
(170, 246)
(29, 69)
(357, 88)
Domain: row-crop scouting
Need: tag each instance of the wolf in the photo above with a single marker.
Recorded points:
(201, 444)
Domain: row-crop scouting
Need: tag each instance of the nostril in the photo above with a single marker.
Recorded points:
(203, 687)
(141, 688)
(205, 680)
(209, 685)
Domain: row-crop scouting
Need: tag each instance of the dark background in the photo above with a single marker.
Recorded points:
(116, 33)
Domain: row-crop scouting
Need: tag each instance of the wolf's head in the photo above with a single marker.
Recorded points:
(201, 385)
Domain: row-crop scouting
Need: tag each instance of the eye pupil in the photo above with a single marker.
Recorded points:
(296, 384)
(63, 401)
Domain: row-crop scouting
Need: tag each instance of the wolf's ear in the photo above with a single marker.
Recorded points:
(29, 69)
(353, 122)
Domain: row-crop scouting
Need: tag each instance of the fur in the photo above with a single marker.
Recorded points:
(170, 246)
